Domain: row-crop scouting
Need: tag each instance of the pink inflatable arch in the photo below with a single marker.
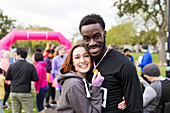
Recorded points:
(15, 35)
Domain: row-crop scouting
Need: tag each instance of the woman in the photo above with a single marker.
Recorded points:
(41, 86)
(51, 90)
(59, 58)
(75, 96)
(4, 65)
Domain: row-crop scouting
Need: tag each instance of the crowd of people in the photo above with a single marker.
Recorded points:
(91, 77)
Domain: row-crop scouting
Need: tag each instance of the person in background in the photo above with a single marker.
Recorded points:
(112, 46)
(21, 73)
(75, 96)
(41, 86)
(157, 93)
(60, 56)
(146, 59)
(120, 74)
(51, 90)
(2, 90)
(13, 57)
(126, 52)
(4, 65)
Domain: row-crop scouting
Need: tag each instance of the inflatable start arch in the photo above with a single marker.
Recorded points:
(15, 35)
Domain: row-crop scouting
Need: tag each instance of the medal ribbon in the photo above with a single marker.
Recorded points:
(95, 66)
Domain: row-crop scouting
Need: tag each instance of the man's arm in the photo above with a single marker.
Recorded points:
(34, 74)
(131, 88)
(8, 73)
(145, 61)
(148, 95)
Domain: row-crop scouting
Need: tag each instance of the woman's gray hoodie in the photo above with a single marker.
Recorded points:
(75, 96)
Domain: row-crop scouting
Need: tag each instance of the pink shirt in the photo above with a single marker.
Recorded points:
(41, 71)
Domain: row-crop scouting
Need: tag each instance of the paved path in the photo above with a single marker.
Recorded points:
(54, 110)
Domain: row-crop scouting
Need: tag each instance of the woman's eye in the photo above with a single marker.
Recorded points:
(76, 57)
(86, 55)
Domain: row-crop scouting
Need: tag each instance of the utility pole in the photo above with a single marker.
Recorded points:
(168, 40)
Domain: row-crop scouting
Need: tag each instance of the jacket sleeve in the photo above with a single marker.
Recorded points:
(145, 61)
(79, 101)
(8, 74)
(37, 84)
(34, 74)
(48, 68)
(148, 95)
(131, 88)
(54, 66)
(132, 58)
(2, 80)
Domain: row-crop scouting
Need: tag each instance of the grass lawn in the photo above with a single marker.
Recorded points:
(156, 60)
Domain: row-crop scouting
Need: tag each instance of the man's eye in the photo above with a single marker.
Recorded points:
(97, 37)
(86, 39)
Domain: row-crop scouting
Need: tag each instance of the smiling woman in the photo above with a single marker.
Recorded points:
(75, 88)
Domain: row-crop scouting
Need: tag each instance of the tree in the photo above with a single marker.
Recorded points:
(148, 37)
(6, 24)
(121, 34)
(149, 10)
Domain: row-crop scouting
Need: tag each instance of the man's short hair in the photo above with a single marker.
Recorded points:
(144, 46)
(125, 50)
(38, 50)
(22, 52)
(92, 19)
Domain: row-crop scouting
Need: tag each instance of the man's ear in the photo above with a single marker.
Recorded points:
(105, 33)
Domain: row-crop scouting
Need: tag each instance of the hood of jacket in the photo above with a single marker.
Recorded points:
(43, 63)
(62, 77)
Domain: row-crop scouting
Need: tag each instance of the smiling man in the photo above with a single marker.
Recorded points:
(120, 74)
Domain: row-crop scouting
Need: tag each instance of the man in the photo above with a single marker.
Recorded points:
(21, 74)
(157, 93)
(146, 59)
(120, 74)
(126, 52)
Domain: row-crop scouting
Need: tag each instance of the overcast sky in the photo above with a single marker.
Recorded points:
(60, 15)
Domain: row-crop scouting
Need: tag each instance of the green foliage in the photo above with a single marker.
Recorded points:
(121, 34)
(6, 24)
(126, 34)
(151, 11)
(148, 37)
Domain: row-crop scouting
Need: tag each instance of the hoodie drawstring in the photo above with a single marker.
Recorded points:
(87, 91)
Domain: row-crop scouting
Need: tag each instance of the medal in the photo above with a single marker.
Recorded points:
(94, 70)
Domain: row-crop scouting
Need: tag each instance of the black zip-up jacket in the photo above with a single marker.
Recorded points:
(21, 74)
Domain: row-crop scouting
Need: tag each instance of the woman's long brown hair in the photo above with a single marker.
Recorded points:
(68, 63)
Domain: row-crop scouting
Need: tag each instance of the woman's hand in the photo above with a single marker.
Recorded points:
(37, 92)
(97, 79)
